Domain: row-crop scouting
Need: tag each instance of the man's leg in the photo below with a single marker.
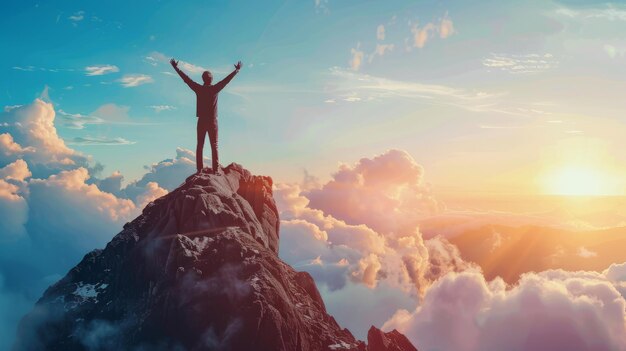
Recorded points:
(213, 141)
(201, 133)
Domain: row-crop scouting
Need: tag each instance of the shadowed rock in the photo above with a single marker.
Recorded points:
(377, 340)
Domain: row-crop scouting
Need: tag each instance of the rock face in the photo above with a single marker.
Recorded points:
(378, 340)
(198, 270)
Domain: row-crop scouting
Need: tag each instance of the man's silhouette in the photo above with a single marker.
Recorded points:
(206, 110)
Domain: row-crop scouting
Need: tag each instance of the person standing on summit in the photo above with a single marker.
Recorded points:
(206, 110)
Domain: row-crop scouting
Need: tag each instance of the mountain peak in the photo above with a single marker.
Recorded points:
(197, 270)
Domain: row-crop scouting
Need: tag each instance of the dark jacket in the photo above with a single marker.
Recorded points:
(206, 95)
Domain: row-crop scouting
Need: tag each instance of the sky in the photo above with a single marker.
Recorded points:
(395, 132)
(461, 87)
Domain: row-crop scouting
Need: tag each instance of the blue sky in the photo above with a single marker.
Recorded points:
(502, 72)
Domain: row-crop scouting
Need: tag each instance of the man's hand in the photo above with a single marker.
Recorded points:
(238, 66)
(174, 63)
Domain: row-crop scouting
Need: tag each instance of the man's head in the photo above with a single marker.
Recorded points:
(207, 77)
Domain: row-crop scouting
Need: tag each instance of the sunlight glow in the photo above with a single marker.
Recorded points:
(580, 181)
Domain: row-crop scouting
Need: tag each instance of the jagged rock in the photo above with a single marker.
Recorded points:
(198, 270)
(377, 340)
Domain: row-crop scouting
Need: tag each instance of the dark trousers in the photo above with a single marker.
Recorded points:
(207, 125)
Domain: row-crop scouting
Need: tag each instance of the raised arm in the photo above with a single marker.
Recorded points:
(229, 77)
(193, 85)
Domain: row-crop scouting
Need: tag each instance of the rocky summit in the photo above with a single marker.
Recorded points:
(197, 270)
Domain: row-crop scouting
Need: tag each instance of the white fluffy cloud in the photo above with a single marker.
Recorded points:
(77, 120)
(168, 174)
(72, 186)
(30, 135)
(366, 218)
(135, 80)
(385, 193)
(616, 273)
(552, 310)
(17, 170)
(10, 148)
(101, 70)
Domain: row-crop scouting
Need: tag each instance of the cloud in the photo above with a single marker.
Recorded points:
(14, 210)
(152, 192)
(357, 218)
(77, 120)
(13, 306)
(357, 58)
(381, 49)
(77, 16)
(156, 57)
(616, 274)
(380, 32)
(111, 184)
(25, 69)
(521, 64)
(446, 27)
(101, 70)
(71, 188)
(100, 141)
(160, 108)
(112, 112)
(586, 253)
(385, 193)
(190, 67)
(9, 147)
(17, 170)
(348, 83)
(423, 34)
(134, 80)
(378, 87)
(8, 108)
(321, 6)
(168, 174)
(613, 51)
(608, 13)
(551, 310)
(42, 69)
(32, 136)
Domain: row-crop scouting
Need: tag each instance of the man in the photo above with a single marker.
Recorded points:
(206, 110)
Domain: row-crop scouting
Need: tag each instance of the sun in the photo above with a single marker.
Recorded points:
(580, 181)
